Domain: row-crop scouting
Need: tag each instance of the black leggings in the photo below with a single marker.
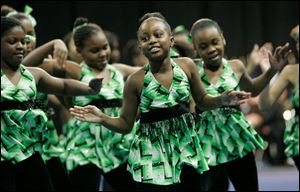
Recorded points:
(120, 179)
(28, 175)
(242, 172)
(59, 174)
(85, 178)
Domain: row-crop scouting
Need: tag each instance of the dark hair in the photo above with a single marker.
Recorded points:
(7, 23)
(83, 30)
(5, 9)
(205, 23)
(155, 15)
(20, 16)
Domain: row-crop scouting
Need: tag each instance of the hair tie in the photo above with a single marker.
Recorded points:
(79, 26)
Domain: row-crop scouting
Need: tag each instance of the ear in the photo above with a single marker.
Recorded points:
(172, 41)
(224, 40)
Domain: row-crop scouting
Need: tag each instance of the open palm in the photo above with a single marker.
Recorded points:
(87, 113)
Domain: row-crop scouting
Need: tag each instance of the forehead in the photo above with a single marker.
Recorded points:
(152, 24)
(207, 33)
(14, 31)
(97, 38)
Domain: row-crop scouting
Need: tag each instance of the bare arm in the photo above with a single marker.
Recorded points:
(255, 86)
(52, 85)
(126, 70)
(122, 124)
(272, 92)
(55, 47)
(200, 96)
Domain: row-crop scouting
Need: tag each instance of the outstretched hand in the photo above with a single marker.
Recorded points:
(95, 84)
(234, 98)
(87, 113)
(279, 58)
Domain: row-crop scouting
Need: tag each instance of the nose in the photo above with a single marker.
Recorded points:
(152, 40)
(211, 49)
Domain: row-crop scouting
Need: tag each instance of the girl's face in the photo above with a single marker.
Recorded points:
(96, 51)
(209, 44)
(29, 29)
(154, 39)
(13, 47)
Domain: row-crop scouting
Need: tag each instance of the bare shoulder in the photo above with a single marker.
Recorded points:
(237, 66)
(136, 79)
(187, 64)
(291, 73)
(184, 62)
(37, 72)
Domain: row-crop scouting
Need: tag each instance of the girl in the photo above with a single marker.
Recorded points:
(227, 138)
(165, 140)
(22, 122)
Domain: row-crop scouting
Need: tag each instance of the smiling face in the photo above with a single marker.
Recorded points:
(13, 47)
(96, 51)
(209, 44)
(155, 39)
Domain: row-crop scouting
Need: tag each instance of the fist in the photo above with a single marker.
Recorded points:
(96, 84)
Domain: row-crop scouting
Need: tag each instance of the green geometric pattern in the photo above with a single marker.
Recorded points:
(91, 142)
(21, 130)
(160, 149)
(52, 146)
(291, 133)
(224, 133)
(155, 96)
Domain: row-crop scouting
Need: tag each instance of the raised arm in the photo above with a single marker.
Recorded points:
(58, 86)
(289, 75)
(255, 86)
(55, 47)
(122, 124)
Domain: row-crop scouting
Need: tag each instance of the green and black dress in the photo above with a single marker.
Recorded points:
(224, 133)
(23, 125)
(91, 142)
(291, 133)
(165, 139)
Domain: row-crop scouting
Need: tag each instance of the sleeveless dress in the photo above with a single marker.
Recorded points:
(22, 130)
(291, 133)
(52, 146)
(224, 133)
(91, 142)
(161, 147)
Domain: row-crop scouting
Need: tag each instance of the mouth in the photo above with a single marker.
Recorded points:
(154, 49)
(214, 57)
(20, 55)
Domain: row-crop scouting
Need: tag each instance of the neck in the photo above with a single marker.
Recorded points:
(6, 67)
(214, 67)
(160, 66)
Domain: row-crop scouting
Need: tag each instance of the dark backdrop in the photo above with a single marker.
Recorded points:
(244, 23)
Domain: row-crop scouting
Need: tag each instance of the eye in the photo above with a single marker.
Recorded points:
(144, 39)
(202, 46)
(215, 41)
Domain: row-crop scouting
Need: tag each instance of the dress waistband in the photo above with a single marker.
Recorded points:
(106, 103)
(164, 113)
(25, 105)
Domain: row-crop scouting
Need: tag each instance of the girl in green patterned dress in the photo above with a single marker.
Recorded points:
(165, 140)
(52, 148)
(227, 138)
(22, 122)
(91, 149)
(288, 76)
